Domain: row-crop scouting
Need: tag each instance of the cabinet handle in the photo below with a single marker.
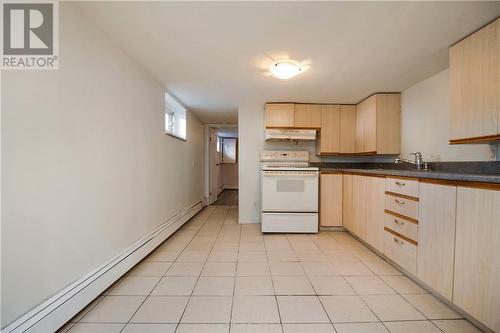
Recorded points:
(401, 202)
(400, 183)
(398, 222)
(397, 241)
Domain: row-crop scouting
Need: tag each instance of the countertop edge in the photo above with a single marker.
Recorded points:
(459, 177)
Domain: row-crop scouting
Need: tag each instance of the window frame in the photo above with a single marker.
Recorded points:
(171, 106)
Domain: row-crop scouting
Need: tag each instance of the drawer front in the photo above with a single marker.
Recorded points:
(402, 186)
(401, 252)
(402, 226)
(403, 206)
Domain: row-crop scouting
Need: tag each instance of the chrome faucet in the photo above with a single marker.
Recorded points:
(418, 163)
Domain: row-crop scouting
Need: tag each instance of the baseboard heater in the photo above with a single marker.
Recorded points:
(58, 309)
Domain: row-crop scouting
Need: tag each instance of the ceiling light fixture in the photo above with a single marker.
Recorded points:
(285, 69)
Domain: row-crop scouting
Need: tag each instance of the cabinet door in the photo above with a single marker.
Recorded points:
(474, 92)
(476, 287)
(347, 142)
(375, 216)
(359, 206)
(331, 200)
(436, 236)
(366, 141)
(388, 123)
(347, 203)
(279, 115)
(330, 127)
(307, 116)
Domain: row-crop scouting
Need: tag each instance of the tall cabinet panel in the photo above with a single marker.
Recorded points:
(359, 206)
(436, 236)
(375, 216)
(347, 202)
(477, 265)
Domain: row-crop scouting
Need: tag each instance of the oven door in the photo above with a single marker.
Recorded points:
(289, 191)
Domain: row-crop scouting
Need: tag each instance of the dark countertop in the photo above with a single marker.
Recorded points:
(483, 172)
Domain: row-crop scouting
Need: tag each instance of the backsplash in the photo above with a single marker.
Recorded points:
(489, 167)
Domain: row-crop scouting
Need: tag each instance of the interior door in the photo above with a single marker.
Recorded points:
(214, 165)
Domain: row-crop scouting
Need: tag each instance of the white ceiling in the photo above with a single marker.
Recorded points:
(213, 55)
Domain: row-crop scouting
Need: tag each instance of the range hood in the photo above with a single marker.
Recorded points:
(289, 134)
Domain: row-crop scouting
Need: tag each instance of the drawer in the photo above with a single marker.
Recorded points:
(402, 226)
(403, 206)
(401, 252)
(402, 186)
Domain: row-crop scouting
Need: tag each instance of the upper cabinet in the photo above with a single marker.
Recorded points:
(329, 138)
(280, 115)
(475, 87)
(371, 127)
(308, 116)
(347, 129)
(378, 121)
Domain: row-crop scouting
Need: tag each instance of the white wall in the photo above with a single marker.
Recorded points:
(425, 124)
(86, 166)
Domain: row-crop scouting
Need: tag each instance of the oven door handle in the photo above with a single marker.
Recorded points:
(290, 174)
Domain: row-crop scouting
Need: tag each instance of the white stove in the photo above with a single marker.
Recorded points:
(289, 192)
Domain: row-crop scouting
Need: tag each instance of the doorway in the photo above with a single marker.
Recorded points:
(223, 165)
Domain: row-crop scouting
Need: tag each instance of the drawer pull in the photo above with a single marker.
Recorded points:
(397, 241)
(401, 202)
(400, 183)
(398, 222)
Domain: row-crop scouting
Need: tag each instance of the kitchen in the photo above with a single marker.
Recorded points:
(334, 168)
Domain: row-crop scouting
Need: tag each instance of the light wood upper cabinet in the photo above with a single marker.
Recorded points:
(329, 137)
(378, 122)
(331, 200)
(366, 140)
(475, 86)
(375, 217)
(307, 116)
(347, 202)
(476, 286)
(280, 115)
(436, 236)
(347, 143)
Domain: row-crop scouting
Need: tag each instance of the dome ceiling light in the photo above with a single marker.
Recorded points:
(285, 69)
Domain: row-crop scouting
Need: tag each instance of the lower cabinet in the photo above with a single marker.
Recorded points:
(436, 236)
(347, 202)
(448, 237)
(375, 204)
(401, 250)
(363, 208)
(331, 200)
(359, 206)
(476, 287)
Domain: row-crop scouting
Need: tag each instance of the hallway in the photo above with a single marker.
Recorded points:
(227, 198)
(214, 275)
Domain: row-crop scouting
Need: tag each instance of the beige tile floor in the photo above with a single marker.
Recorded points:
(214, 275)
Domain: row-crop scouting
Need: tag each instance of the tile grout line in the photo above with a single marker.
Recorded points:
(204, 263)
(127, 323)
(235, 277)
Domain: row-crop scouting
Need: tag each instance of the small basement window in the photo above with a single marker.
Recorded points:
(175, 118)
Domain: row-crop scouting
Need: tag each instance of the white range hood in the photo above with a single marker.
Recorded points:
(289, 134)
